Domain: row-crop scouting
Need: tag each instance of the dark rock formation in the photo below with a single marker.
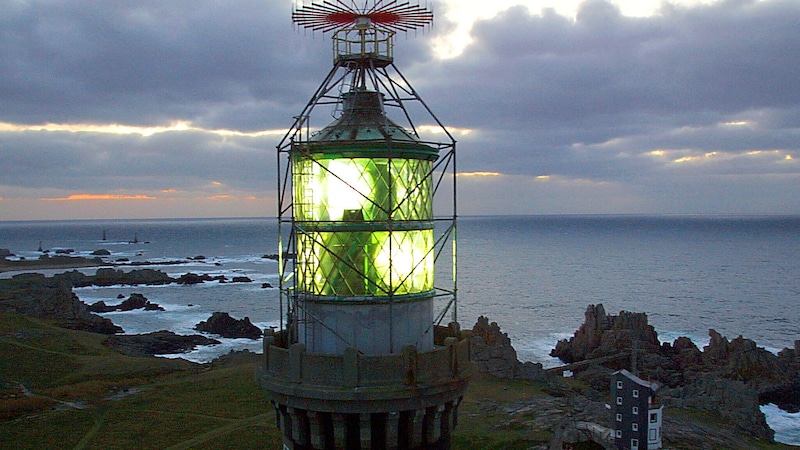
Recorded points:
(727, 378)
(733, 401)
(101, 252)
(193, 278)
(605, 335)
(135, 301)
(741, 359)
(110, 277)
(35, 295)
(226, 326)
(156, 343)
(493, 353)
(241, 280)
(4, 252)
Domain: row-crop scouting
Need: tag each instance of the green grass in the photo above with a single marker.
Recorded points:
(170, 403)
(144, 403)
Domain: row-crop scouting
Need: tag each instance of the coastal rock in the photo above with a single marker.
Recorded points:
(741, 359)
(241, 279)
(135, 301)
(603, 334)
(101, 252)
(4, 252)
(728, 378)
(733, 401)
(193, 278)
(226, 326)
(492, 352)
(156, 343)
(107, 276)
(37, 296)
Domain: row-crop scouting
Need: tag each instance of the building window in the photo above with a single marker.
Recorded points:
(636, 410)
(634, 444)
(653, 435)
(619, 417)
(635, 426)
(653, 417)
(635, 393)
(618, 433)
(619, 400)
(619, 384)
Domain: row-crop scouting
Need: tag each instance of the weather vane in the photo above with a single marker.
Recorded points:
(331, 15)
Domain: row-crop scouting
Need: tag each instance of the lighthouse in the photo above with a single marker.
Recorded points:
(369, 354)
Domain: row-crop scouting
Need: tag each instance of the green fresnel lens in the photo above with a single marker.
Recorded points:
(363, 208)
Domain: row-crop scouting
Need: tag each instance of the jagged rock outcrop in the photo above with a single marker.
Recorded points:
(135, 301)
(157, 343)
(493, 353)
(35, 295)
(602, 334)
(728, 378)
(226, 326)
(741, 359)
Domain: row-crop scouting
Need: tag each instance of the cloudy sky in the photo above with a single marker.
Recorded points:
(120, 109)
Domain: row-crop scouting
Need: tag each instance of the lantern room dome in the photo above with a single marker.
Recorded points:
(363, 130)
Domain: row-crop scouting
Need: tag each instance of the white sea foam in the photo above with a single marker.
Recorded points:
(207, 353)
(785, 424)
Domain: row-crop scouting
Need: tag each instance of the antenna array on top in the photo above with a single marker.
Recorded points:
(331, 15)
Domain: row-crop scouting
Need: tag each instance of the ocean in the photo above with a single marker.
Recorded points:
(533, 275)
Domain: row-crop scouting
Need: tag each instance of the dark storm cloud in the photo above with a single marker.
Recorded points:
(546, 82)
(606, 98)
(99, 162)
(147, 62)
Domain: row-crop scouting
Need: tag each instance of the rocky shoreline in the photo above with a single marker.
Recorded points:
(727, 379)
(52, 298)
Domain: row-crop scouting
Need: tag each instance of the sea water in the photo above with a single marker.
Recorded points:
(533, 275)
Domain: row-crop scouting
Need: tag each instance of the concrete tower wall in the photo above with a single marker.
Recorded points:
(372, 328)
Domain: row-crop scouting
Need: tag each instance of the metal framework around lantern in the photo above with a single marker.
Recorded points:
(363, 63)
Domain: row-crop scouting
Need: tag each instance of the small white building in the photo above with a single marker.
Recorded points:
(636, 413)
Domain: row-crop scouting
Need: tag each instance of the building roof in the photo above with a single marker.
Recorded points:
(653, 386)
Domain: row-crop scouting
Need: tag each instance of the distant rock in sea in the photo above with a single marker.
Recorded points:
(226, 326)
(135, 301)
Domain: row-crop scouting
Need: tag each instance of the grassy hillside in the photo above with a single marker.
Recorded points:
(63, 389)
